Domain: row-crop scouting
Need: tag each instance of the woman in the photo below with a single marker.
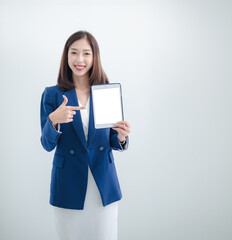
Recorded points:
(84, 185)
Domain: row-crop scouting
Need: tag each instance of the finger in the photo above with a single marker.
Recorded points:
(126, 129)
(72, 112)
(76, 108)
(121, 131)
(70, 116)
(69, 120)
(65, 101)
(125, 123)
(122, 126)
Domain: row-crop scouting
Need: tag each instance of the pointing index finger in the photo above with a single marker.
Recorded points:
(76, 108)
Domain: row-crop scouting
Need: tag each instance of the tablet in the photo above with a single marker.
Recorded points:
(107, 104)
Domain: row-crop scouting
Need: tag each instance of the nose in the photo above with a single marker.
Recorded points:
(79, 57)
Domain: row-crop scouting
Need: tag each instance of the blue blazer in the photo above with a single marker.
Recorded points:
(73, 154)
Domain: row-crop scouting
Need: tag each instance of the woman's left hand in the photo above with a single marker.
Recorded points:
(123, 129)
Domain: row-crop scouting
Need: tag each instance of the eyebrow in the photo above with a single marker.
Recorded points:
(83, 49)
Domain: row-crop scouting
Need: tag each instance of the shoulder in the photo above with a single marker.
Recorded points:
(52, 91)
(51, 94)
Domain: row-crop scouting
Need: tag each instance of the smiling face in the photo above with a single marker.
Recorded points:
(80, 58)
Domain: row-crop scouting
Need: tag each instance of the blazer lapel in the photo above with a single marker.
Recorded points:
(91, 130)
(77, 122)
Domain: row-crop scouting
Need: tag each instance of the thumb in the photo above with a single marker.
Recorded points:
(65, 100)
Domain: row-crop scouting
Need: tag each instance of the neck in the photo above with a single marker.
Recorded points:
(81, 83)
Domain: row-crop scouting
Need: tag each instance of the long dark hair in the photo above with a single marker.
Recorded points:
(96, 72)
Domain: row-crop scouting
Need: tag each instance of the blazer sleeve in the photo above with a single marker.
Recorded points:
(115, 144)
(49, 135)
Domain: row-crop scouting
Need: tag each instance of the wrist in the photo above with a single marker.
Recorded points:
(123, 141)
(52, 120)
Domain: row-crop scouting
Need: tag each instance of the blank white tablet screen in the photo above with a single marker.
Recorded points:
(107, 105)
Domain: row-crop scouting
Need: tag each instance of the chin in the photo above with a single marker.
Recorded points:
(80, 74)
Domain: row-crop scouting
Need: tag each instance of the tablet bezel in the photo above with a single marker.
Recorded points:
(104, 86)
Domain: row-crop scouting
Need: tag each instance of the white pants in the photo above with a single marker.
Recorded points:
(94, 222)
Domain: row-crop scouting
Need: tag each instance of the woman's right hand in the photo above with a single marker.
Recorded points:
(63, 114)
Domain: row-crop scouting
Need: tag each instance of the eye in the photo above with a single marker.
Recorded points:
(73, 52)
(87, 54)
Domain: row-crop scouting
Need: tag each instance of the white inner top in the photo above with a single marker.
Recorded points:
(85, 118)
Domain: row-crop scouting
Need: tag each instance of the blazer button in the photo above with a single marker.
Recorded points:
(71, 151)
(101, 148)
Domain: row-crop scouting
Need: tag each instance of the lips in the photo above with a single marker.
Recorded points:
(79, 67)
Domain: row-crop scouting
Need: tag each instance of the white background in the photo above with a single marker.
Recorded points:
(173, 59)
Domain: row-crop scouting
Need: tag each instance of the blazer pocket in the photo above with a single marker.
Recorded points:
(58, 161)
(111, 157)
